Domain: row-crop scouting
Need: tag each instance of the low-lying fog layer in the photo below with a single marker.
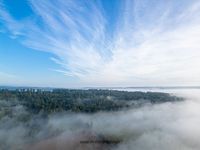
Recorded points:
(166, 126)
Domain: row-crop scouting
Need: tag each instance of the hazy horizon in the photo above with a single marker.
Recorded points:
(103, 87)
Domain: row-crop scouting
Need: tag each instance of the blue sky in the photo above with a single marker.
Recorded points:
(78, 43)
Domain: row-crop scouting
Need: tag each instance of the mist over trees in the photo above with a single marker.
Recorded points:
(59, 119)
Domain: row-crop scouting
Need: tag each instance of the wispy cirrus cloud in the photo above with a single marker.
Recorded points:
(154, 42)
(4, 74)
(8, 78)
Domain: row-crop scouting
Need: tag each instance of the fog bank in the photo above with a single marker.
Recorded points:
(171, 125)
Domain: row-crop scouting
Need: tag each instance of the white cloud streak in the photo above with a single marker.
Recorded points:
(155, 42)
(8, 75)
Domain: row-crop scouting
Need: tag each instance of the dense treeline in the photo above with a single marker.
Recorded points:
(58, 100)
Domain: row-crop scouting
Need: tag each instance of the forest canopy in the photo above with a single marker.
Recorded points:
(77, 100)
